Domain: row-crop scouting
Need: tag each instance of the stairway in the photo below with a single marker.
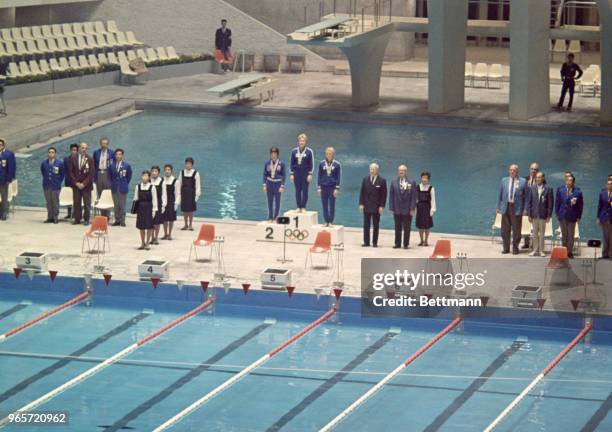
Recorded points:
(556, 12)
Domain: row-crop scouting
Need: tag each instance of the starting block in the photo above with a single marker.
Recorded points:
(35, 261)
(337, 233)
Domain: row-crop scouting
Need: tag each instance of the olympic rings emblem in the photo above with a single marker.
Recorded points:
(296, 234)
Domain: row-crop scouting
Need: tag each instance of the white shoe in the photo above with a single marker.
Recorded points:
(534, 254)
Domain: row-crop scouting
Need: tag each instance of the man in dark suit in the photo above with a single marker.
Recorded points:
(604, 218)
(539, 208)
(568, 207)
(74, 149)
(372, 199)
(402, 205)
(81, 178)
(223, 43)
(530, 180)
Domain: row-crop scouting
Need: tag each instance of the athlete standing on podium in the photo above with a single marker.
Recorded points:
(302, 161)
(328, 184)
(274, 183)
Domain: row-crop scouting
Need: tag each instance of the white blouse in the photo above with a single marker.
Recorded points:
(153, 194)
(424, 188)
(177, 192)
(157, 182)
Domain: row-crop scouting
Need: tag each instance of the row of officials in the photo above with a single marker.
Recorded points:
(518, 196)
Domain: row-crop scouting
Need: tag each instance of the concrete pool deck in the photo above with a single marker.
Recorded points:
(28, 119)
(246, 255)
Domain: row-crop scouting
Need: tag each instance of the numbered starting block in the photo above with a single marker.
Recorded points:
(337, 233)
(154, 269)
(36, 261)
(275, 279)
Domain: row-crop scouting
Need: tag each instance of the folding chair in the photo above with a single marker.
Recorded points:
(441, 252)
(321, 245)
(97, 230)
(206, 238)
(559, 260)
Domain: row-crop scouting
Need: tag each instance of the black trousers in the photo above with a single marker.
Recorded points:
(511, 227)
(402, 223)
(370, 219)
(81, 211)
(568, 84)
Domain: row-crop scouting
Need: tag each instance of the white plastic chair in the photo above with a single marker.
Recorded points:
(495, 74)
(481, 74)
(559, 47)
(131, 55)
(111, 26)
(105, 202)
(469, 74)
(44, 66)
(56, 29)
(112, 58)
(102, 59)
(93, 61)
(132, 38)
(83, 63)
(171, 53)
(66, 197)
(34, 68)
(99, 27)
(73, 62)
(63, 63)
(141, 53)
(496, 227)
(24, 68)
(67, 30)
(151, 54)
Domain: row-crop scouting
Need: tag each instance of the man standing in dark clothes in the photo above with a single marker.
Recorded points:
(568, 77)
(223, 43)
(372, 200)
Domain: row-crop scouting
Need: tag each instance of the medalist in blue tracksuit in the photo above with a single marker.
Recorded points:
(274, 181)
(121, 175)
(302, 162)
(8, 169)
(52, 172)
(328, 183)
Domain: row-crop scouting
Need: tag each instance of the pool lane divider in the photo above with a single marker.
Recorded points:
(244, 372)
(378, 386)
(109, 361)
(46, 315)
(60, 363)
(587, 328)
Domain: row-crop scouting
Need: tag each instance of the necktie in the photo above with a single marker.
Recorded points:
(511, 189)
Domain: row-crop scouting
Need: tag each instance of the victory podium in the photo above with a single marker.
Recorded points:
(299, 229)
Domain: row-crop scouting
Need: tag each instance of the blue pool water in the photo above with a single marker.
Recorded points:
(461, 384)
(466, 164)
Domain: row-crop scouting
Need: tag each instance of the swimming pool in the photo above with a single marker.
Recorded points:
(459, 385)
(466, 164)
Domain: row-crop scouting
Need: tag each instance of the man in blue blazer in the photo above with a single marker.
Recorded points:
(539, 208)
(52, 171)
(402, 205)
(568, 208)
(121, 175)
(8, 170)
(511, 204)
(103, 159)
(604, 218)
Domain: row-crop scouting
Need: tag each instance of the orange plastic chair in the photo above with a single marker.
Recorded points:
(322, 244)
(206, 237)
(558, 260)
(442, 250)
(97, 230)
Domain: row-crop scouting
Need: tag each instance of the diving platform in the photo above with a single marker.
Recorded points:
(255, 86)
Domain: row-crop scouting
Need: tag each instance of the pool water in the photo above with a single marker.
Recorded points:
(230, 151)
(461, 384)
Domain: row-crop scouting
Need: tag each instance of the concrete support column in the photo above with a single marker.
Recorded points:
(605, 19)
(529, 58)
(7, 17)
(365, 55)
(447, 42)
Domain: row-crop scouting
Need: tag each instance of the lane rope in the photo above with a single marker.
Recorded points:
(46, 315)
(540, 376)
(109, 361)
(244, 372)
(373, 390)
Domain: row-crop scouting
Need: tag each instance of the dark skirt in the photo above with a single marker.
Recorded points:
(158, 219)
(424, 220)
(144, 218)
(170, 214)
(188, 202)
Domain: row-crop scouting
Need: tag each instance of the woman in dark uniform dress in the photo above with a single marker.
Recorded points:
(190, 192)
(146, 197)
(173, 190)
(426, 207)
(156, 181)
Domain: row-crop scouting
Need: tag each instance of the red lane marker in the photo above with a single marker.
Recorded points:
(177, 321)
(204, 285)
(17, 272)
(52, 274)
(484, 300)
(432, 341)
(47, 314)
(568, 348)
(155, 281)
(302, 332)
(541, 303)
(337, 293)
(245, 287)
(107, 278)
(575, 304)
(290, 290)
